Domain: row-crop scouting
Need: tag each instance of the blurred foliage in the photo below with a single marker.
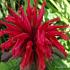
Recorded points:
(12, 64)
(54, 8)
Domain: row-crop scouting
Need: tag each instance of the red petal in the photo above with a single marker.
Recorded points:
(48, 48)
(25, 21)
(29, 12)
(21, 36)
(31, 58)
(40, 15)
(26, 58)
(47, 23)
(40, 59)
(35, 1)
(7, 45)
(61, 34)
(10, 18)
(17, 50)
(40, 39)
(34, 16)
(10, 26)
(49, 28)
(11, 11)
(58, 45)
(28, 2)
(48, 52)
(53, 20)
(47, 41)
(16, 21)
(11, 33)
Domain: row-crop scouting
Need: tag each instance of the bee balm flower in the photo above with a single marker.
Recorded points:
(30, 38)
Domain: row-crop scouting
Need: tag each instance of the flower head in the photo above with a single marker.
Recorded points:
(31, 38)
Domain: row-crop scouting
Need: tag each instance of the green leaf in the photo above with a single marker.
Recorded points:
(10, 65)
(57, 64)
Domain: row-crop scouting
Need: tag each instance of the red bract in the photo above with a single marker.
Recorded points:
(30, 38)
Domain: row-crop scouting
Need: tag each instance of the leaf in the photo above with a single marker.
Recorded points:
(57, 64)
(10, 65)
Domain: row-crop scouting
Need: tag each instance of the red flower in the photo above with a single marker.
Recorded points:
(29, 37)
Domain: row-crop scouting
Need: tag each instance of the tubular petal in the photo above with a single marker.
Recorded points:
(41, 13)
(61, 34)
(17, 50)
(10, 33)
(48, 49)
(26, 58)
(40, 59)
(34, 17)
(10, 26)
(7, 45)
(11, 11)
(29, 12)
(26, 21)
(49, 28)
(15, 21)
(21, 36)
(58, 45)
(47, 23)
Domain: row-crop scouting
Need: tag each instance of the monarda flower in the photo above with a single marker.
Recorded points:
(30, 38)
